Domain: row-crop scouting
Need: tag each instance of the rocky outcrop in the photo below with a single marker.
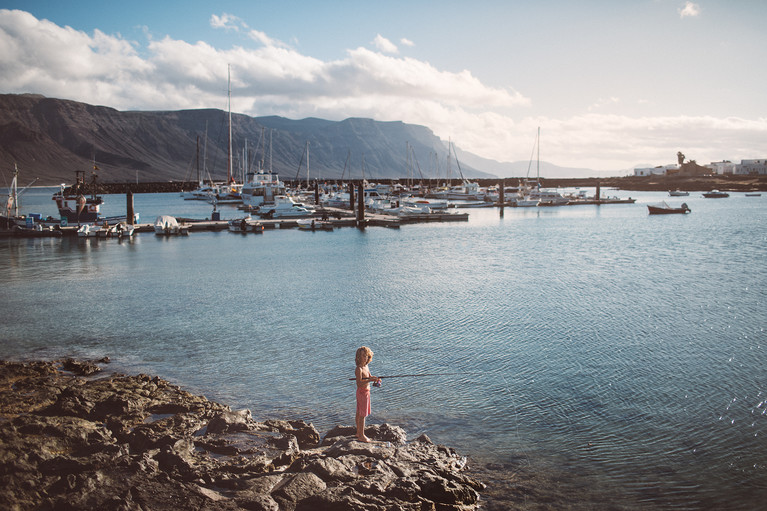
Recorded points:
(116, 442)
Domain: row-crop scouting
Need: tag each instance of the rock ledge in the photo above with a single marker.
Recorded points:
(71, 440)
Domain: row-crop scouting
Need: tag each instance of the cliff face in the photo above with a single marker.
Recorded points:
(51, 138)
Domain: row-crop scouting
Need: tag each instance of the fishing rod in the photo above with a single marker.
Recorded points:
(417, 375)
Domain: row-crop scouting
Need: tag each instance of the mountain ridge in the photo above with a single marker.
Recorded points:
(50, 138)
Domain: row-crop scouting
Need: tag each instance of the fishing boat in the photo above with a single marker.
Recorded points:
(715, 194)
(665, 209)
(753, 195)
(245, 225)
(73, 205)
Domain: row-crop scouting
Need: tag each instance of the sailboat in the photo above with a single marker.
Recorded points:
(230, 192)
(533, 194)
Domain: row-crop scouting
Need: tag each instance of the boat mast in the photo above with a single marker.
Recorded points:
(198, 159)
(13, 197)
(538, 158)
(229, 95)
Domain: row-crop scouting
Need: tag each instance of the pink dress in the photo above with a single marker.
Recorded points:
(363, 401)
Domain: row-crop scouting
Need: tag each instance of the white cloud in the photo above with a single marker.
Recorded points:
(690, 10)
(264, 39)
(385, 45)
(604, 102)
(406, 42)
(226, 21)
(38, 56)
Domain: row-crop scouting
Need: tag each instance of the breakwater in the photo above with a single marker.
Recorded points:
(649, 183)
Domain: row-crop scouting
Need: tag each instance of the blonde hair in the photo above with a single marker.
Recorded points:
(364, 355)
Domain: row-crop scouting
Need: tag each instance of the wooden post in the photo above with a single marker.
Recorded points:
(129, 206)
(316, 193)
(361, 205)
(597, 195)
(351, 196)
(501, 198)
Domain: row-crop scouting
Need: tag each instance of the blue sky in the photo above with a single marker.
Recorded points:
(612, 84)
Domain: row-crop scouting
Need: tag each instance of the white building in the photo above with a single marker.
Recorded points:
(723, 167)
(753, 167)
(655, 171)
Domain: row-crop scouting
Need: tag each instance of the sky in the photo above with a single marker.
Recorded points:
(612, 84)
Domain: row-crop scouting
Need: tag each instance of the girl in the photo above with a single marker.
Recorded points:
(363, 377)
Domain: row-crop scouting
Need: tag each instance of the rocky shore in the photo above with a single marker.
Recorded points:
(72, 437)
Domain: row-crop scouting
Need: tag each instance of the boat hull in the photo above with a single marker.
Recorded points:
(655, 210)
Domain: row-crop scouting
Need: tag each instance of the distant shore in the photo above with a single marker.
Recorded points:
(731, 183)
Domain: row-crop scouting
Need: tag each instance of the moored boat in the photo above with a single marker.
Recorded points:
(73, 205)
(245, 225)
(678, 193)
(88, 231)
(285, 207)
(665, 209)
(313, 224)
(168, 225)
(715, 194)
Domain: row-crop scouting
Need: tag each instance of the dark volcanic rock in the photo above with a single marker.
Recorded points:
(135, 442)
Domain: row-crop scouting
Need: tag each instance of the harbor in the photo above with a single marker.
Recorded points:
(265, 200)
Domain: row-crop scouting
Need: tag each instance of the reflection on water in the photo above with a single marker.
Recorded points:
(609, 358)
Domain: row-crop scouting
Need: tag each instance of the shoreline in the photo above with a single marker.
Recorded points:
(74, 435)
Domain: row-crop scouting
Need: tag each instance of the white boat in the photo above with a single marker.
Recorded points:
(678, 193)
(285, 207)
(468, 191)
(88, 230)
(548, 197)
(414, 210)
(525, 202)
(226, 194)
(167, 225)
(245, 225)
(432, 204)
(202, 192)
(121, 230)
(261, 188)
(313, 224)
(337, 199)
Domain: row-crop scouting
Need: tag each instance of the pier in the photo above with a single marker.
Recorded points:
(334, 217)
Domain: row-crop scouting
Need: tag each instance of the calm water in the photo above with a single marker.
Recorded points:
(609, 356)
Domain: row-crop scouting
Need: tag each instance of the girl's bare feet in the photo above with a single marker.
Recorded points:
(363, 438)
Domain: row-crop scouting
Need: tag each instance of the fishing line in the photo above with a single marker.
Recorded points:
(516, 420)
(417, 375)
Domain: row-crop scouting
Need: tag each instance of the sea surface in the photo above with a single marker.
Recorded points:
(600, 357)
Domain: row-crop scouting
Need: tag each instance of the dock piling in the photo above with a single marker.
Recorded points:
(129, 207)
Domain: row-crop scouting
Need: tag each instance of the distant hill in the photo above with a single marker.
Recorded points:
(51, 138)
